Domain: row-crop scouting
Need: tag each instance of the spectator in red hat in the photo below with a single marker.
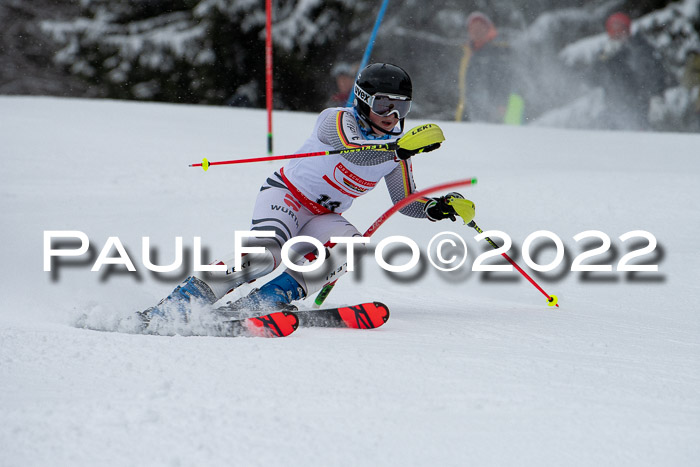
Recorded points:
(631, 72)
(618, 26)
(487, 80)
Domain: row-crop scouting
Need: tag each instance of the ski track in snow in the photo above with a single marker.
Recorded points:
(471, 369)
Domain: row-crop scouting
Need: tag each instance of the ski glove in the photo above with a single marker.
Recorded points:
(404, 154)
(437, 209)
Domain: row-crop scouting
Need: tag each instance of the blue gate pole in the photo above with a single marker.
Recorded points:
(368, 50)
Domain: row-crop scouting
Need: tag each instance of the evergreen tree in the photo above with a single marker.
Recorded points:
(212, 51)
(207, 52)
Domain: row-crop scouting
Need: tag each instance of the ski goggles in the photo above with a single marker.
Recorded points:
(385, 104)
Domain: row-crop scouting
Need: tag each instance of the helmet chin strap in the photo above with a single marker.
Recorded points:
(369, 123)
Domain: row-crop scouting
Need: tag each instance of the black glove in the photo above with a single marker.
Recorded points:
(404, 154)
(437, 209)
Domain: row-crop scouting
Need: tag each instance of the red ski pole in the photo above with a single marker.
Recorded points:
(551, 299)
(205, 164)
(422, 137)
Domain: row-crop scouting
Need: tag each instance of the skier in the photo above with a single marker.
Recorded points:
(308, 196)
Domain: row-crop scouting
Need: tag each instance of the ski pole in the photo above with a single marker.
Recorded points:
(205, 164)
(551, 299)
(417, 139)
(323, 294)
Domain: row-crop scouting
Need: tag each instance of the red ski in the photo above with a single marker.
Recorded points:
(278, 324)
(363, 316)
(282, 323)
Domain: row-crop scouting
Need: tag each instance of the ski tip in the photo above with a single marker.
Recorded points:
(278, 324)
(365, 316)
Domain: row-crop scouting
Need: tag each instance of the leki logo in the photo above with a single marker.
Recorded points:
(421, 128)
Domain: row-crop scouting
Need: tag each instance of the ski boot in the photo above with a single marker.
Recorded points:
(276, 295)
(179, 302)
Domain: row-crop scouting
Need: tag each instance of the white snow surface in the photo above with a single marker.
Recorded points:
(471, 369)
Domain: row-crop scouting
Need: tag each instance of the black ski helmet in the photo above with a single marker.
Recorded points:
(381, 78)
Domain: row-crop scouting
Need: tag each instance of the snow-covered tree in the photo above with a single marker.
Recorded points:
(673, 31)
(25, 54)
(208, 51)
(212, 51)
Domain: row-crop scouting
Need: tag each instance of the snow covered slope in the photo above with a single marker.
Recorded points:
(472, 368)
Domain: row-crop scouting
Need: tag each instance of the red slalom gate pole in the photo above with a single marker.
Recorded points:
(268, 71)
(323, 293)
(411, 198)
(551, 299)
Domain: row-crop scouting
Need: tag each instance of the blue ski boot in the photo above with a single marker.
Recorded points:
(179, 302)
(273, 296)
